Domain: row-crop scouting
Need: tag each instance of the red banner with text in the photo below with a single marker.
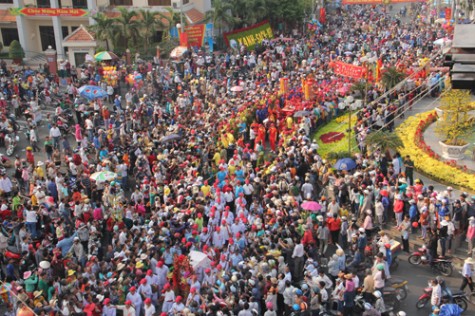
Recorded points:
(348, 70)
(196, 34)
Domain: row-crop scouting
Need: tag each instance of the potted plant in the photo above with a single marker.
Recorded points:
(456, 123)
(16, 52)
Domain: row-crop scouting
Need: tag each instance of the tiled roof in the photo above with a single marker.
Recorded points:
(6, 16)
(80, 35)
(194, 16)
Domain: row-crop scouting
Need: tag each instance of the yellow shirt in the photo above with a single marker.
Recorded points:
(39, 171)
(217, 157)
(205, 189)
(231, 169)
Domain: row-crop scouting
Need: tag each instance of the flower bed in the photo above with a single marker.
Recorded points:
(411, 132)
(338, 126)
(331, 137)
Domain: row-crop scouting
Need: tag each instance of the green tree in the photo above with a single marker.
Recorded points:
(248, 12)
(16, 52)
(128, 26)
(220, 15)
(391, 77)
(148, 25)
(104, 28)
(456, 123)
(383, 140)
(171, 18)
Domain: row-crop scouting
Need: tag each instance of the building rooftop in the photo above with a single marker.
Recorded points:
(464, 36)
(6, 17)
(81, 34)
(194, 16)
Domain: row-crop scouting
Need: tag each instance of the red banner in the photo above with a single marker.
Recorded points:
(49, 12)
(348, 70)
(184, 39)
(378, 1)
(196, 34)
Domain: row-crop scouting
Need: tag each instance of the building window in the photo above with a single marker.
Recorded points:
(43, 4)
(167, 3)
(6, 1)
(121, 2)
(65, 31)
(186, 2)
(74, 28)
(80, 4)
(9, 35)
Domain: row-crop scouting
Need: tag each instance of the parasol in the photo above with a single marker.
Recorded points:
(199, 260)
(178, 51)
(92, 92)
(345, 164)
(311, 206)
(170, 138)
(302, 113)
(105, 56)
(103, 176)
(237, 89)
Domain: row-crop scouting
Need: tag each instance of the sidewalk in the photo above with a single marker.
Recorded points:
(459, 252)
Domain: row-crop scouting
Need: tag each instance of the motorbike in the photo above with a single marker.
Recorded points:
(12, 140)
(458, 297)
(391, 306)
(399, 285)
(442, 265)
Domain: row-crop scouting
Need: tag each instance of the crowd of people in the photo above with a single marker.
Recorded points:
(201, 208)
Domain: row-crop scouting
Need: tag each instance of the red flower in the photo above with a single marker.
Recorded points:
(331, 137)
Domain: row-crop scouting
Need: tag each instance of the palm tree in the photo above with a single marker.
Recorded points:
(171, 19)
(248, 12)
(104, 28)
(128, 25)
(220, 15)
(383, 140)
(391, 77)
(148, 24)
(359, 86)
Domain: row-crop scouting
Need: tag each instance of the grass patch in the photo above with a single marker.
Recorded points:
(339, 125)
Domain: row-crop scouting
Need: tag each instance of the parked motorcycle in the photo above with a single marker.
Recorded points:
(442, 265)
(399, 285)
(458, 297)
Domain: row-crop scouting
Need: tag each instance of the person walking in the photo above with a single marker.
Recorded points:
(471, 235)
(467, 274)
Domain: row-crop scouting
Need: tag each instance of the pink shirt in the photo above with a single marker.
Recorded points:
(471, 232)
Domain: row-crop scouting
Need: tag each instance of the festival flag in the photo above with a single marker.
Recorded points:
(183, 39)
(379, 65)
(323, 15)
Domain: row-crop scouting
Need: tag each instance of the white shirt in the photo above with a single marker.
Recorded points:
(436, 295)
(149, 310)
(54, 132)
(298, 251)
(31, 217)
(467, 270)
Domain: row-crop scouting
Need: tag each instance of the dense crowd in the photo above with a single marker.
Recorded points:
(204, 212)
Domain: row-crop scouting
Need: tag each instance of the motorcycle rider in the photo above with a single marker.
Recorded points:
(446, 291)
(379, 304)
(370, 310)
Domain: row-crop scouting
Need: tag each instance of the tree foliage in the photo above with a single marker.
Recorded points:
(383, 140)
(456, 122)
(391, 77)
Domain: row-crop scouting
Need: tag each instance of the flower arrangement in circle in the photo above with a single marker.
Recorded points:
(331, 137)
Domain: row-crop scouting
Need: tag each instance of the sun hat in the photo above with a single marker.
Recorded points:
(45, 264)
(26, 275)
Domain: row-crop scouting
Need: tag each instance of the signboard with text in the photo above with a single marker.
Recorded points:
(196, 34)
(71, 12)
(249, 36)
(348, 70)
